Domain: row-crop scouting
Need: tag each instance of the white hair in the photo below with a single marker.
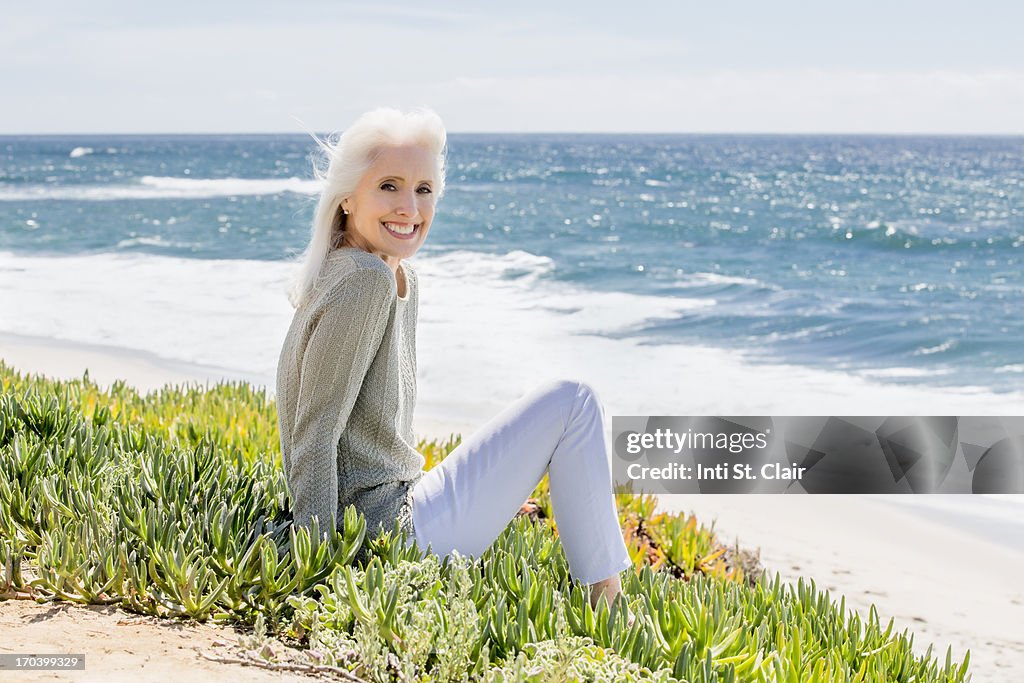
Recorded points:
(348, 157)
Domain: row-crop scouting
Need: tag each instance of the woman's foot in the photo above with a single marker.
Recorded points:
(608, 590)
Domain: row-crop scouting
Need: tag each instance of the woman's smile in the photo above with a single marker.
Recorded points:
(402, 231)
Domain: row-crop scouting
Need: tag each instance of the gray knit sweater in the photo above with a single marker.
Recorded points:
(346, 389)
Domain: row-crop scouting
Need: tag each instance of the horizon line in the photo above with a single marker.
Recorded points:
(529, 133)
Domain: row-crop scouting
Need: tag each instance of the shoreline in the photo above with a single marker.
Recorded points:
(147, 372)
(946, 584)
(143, 370)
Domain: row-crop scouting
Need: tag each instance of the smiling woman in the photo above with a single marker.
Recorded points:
(389, 214)
(388, 167)
(346, 379)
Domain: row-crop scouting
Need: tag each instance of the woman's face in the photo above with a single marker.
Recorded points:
(390, 211)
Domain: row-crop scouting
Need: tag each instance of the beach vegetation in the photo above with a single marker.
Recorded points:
(174, 504)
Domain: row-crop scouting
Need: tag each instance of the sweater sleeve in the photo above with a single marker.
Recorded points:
(341, 346)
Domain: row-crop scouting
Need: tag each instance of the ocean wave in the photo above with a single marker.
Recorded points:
(1017, 367)
(712, 279)
(162, 187)
(231, 186)
(80, 152)
(886, 235)
(940, 348)
(512, 283)
(518, 267)
(907, 234)
(156, 241)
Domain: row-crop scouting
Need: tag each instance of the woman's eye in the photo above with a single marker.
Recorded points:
(425, 189)
(387, 186)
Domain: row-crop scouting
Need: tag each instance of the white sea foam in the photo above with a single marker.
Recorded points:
(156, 241)
(945, 346)
(491, 328)
(1011, 368)
(160, 187)
(80, 152)
(216, 187)
(705, 279)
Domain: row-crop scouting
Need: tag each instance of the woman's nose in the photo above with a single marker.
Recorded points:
(406, 204)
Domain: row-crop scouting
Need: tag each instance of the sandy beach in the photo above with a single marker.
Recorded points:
(946, 585)
(147, 372)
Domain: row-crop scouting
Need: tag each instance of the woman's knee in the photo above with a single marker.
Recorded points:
(588, 393)
(572, 392)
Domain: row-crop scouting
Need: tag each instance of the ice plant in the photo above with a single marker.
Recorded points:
(175, 505)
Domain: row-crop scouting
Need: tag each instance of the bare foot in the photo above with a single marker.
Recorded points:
(608, 590)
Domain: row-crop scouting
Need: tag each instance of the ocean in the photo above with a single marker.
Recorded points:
(685, 274)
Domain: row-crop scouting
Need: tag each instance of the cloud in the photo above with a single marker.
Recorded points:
(787, 101)
(534, 73)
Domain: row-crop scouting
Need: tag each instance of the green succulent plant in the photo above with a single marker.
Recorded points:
(174, 504)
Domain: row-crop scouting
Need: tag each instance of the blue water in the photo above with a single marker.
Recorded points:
(855, 253)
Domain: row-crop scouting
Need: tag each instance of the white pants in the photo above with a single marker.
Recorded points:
(467, 499)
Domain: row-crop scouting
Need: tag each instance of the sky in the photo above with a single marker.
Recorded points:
(784, 66)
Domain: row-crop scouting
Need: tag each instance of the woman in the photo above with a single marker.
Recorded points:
(346, 382)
